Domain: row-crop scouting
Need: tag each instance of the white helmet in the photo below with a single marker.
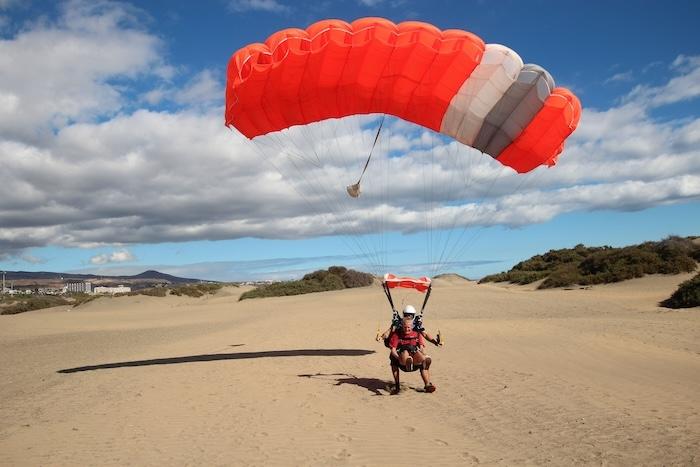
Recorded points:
(409, 310)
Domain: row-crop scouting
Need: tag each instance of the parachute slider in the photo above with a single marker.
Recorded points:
(421, 284)
(354, 190)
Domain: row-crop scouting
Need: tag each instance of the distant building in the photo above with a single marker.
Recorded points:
(78, 287)
(111, 290)
(48, 291)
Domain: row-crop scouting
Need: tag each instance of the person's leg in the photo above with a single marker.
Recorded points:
(419, 358)
(406, 360)
(396, 373)
(425, 370)
(425, 374)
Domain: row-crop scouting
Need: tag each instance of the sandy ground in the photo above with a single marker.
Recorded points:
(600, 376)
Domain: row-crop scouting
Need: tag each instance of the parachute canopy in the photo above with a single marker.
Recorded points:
(448, 81)
(420, 284)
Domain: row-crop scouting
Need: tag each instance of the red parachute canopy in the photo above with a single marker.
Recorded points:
(449, 81)
(421, 284)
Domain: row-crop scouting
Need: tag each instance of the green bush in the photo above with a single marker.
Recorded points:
(352, 279)
(196, 290)
(498, 277)
(601, 265)
(562, 276)
(686, 296)
(151, 292)
(82, 298)
(335, 278)
(516, 277)
(337, 270)
(33, 303)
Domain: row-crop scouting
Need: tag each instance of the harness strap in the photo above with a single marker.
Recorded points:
(427, 296)
(388, 295)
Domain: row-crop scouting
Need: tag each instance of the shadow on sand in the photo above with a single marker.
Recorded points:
(373, 385)
(225, 356)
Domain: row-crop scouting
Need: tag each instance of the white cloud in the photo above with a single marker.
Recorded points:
(52, 74)
(685, 86)
(652, 65)
(6, 4)
(150, 177)
(118, 256)
(202, 90)
(28, 258)
(626, 76)
(155, 96)
(258, 5)
(389, 3)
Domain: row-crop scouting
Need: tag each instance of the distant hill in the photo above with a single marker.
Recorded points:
(583, 265)
(335, 278)
(146, 276)
(451, 275)
(151, 274)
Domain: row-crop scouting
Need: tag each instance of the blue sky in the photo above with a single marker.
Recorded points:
(115, 160)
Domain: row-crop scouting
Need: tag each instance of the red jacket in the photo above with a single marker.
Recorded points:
(399, 338)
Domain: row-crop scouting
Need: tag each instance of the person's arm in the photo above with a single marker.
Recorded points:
(429, 338)
(388, 332)
(421, 342)
(393, 344)
(394, 353)
(392, 326)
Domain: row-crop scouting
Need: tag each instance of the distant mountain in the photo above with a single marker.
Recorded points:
(146, 276)
(155, 275)
(42, 275)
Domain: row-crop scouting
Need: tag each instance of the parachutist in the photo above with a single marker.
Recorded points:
(410, 312)
(408, 354)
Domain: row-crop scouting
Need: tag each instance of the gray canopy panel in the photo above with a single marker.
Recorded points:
(511, 114)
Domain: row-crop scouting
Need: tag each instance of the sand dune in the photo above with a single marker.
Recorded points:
(598, 376)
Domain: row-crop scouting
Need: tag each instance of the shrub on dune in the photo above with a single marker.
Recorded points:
(33, 303)
(151, 292)
(335, 278)
(687, 295)
(601, 265)
(196, 290)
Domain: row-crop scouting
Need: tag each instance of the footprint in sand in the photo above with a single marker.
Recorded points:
(474, 459)
(342, 455)
(343, 437)
(440, 442)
